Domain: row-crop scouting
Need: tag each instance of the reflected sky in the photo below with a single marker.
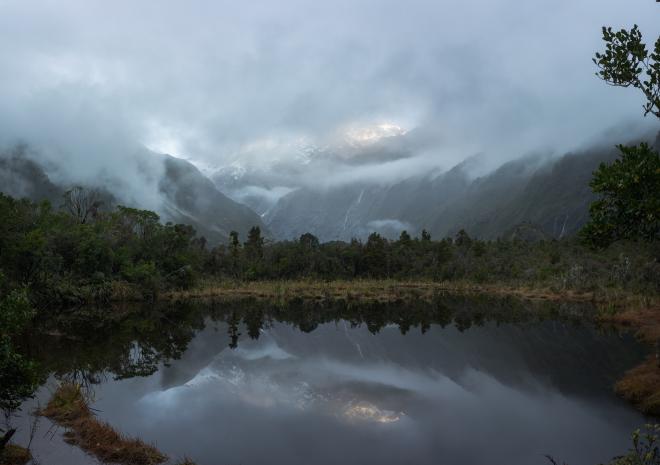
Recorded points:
(340, 394)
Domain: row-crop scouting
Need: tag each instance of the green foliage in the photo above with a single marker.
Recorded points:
(645, 448)
(626, 62)
(18, 378)
(15, 311)
(254, 245)
(629, 203)
(629, 188)
(565, 264)
(462, 239)
(65, 257)
(145, 275)
(309, 242)
(127, 252)
(374, 258)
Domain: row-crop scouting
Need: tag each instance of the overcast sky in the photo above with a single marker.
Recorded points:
(219, 81)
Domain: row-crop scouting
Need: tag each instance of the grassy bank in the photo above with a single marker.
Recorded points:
(362, 290)
(623, 307)
(640, 385)
(127, 255)
(13, 454)
(70, 408)
(611, 300)
(379, 289)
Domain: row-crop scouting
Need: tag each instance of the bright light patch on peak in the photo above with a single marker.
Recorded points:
(169, 146)
(366, 411)
(163, 139)
(365, 135)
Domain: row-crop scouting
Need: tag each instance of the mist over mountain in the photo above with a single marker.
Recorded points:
(549, 192)
(414, 117)
(183, 193)
(361, 194)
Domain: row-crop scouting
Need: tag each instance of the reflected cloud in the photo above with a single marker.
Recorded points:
(496, 393)
(263, 375)
(267, 350)
(369, 412)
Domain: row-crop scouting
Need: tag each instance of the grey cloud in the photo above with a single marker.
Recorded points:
(88, 83)
(390, 227)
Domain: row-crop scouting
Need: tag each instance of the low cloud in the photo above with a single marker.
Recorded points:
(264, 84)
(390, 228)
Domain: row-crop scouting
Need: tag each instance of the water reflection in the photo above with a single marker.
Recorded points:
(366, 411)
(454, 381)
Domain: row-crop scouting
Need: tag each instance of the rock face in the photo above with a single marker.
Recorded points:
(183, 194)
(22, 177)
(554, 196)
(525, 232)
(192, 198)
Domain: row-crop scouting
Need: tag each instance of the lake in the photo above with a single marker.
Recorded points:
(455, 381)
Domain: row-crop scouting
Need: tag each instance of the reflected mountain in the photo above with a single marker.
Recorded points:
(468, 380)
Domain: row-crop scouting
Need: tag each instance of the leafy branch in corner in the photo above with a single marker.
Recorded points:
(626, 62)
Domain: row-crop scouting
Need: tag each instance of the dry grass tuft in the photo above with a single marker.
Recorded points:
(641, 386)
(185, 461)
(121, 291)
(646, 320)
(364, 290)
(69, 408)
(14, 455)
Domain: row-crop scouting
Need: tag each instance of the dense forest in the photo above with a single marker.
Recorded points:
(81, 253)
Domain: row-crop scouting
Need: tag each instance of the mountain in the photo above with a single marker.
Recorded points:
(530, 198)
(262, 179)
(183, 194)
(192, 198)
(550, 196)
(21, 177)
(553, 195)
(420, 202)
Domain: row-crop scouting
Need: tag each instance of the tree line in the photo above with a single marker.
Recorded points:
(82, 253)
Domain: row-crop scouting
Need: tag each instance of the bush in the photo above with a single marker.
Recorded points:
(18, 378)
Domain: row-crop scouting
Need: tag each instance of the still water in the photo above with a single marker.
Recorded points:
(453, 382)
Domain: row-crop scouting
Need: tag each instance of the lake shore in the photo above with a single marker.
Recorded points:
(13, 454)
(640, 385)
(381, 290)
(361, 290)
(69, 407)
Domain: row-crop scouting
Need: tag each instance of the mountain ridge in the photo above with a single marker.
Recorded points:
(551, 193)
(185, 194)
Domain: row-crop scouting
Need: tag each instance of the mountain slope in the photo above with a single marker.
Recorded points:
(22, 177)
(553, 195)
(183, 194)
(192, 198)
